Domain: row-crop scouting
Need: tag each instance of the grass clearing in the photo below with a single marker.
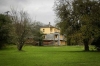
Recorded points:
(49, 56)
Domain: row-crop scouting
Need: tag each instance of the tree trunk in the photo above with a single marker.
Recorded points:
(86, 45)
(69, 41)
(40, 43)
(20, 46)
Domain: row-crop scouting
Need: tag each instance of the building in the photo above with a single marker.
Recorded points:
(52, 35)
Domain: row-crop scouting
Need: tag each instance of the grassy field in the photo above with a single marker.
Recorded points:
(49, 56)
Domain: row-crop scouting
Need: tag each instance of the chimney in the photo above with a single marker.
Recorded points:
(49, 24)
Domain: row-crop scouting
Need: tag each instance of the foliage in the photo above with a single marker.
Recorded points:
(21, 24)
(96, 43)
(79, 18)
(90, 19)
(37, 34)
(5, 29)
(69, 22)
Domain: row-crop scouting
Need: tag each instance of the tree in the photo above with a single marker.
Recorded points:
(5, 28)
(21, 24)
(35, 31)
(79, 17)
(89, 12)
(68, 20)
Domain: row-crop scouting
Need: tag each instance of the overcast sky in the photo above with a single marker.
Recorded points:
(41, 10)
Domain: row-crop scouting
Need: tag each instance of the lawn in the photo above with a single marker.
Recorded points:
(48, 56)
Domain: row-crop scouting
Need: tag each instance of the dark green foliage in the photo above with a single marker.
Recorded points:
(79, 20)
(5, 28)
(68, 21)
(38, 37)
(89, 12)
(96, 42)
(37, 34)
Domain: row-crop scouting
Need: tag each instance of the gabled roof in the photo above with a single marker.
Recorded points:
(47, 26)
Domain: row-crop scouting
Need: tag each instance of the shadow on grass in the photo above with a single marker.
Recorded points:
(78, 51)
(11, 48)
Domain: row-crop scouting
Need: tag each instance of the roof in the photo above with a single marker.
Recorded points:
(49, 37)
(47, 26)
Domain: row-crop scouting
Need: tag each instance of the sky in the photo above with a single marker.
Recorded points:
(39, 10)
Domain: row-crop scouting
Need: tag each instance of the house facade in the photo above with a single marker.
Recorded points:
(52, 35)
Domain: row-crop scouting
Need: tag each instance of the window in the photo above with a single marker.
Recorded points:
(43, 30)
(44, 36)
(56, 36)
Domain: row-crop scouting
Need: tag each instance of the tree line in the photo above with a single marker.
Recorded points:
(79, 21)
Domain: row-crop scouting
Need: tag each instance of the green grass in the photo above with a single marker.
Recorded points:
(48, 56)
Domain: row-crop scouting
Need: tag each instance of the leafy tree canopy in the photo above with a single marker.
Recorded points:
(5, 28)
(79, 18)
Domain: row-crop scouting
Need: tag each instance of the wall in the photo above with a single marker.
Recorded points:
(47, 30)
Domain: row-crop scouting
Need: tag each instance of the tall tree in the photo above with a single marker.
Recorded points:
(5, 28)
(21, 23)
(68, 20)
(89, 11)
(79, 17)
